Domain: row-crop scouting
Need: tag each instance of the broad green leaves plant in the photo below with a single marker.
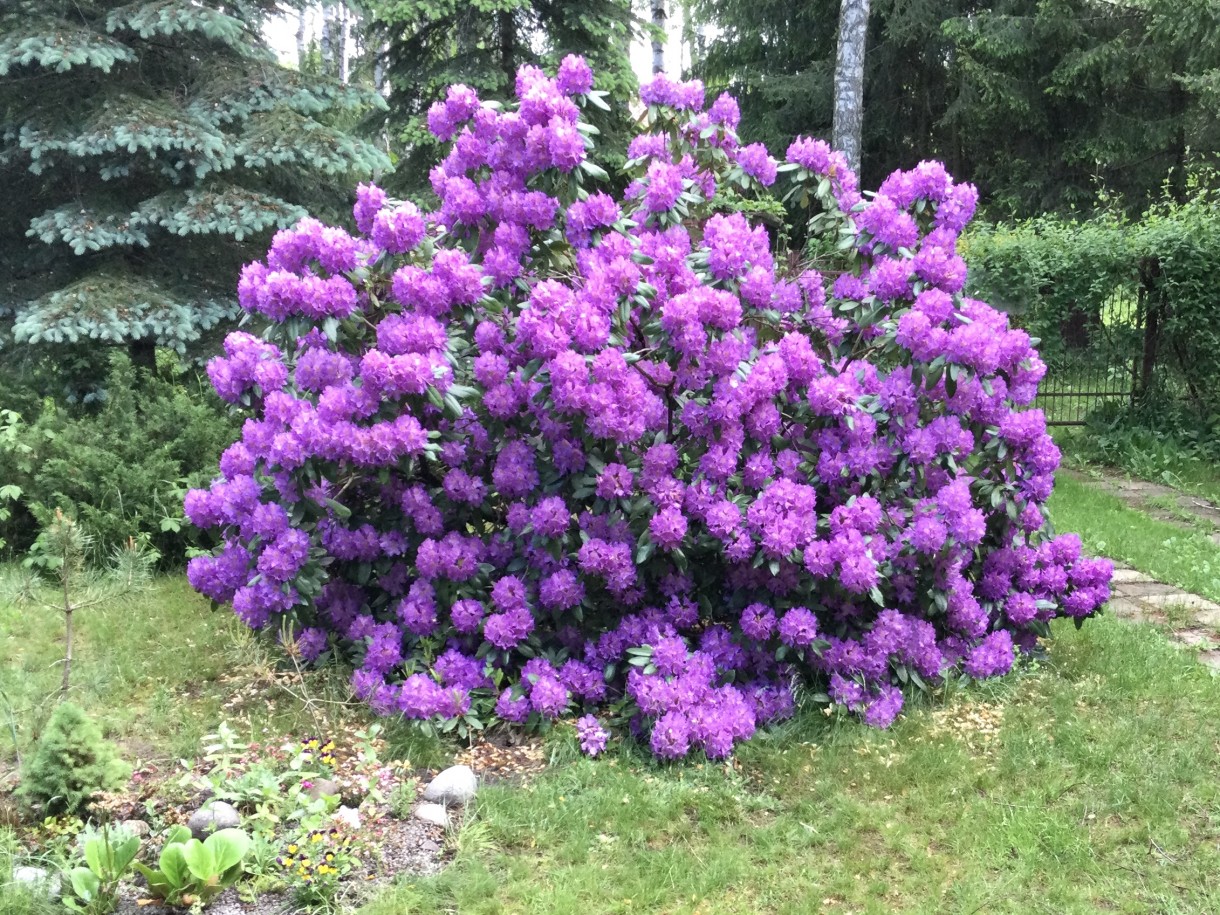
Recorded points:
(191, 872)
(108, 855)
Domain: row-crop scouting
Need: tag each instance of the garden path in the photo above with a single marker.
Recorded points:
(1192, 621)
(1162, 502)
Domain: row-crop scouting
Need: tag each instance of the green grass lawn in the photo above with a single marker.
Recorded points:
(1087, 782)
(157, 668)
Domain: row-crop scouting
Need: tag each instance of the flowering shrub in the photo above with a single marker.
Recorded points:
(545, 450)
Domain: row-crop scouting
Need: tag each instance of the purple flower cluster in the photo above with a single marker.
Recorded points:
(544, 451)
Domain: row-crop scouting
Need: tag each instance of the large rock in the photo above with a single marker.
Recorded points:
(323, 787)
(38, 880)
(436, 814)
(212, 818)
(454, 787)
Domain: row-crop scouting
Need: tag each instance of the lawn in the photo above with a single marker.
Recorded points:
(1086, 781)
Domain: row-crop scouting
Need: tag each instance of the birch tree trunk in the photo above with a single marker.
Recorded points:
(301, 38)
(848, 123)
(344, 27)
(327, 44)
(658, 39)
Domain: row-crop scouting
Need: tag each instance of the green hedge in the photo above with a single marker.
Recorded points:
(1072, 282)
(121, 466)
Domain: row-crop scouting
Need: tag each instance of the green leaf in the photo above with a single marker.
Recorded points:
(229, 847)
(85, 883)
(173, 865)
(199, 859)
(339, 509)
(97, 855)
(159, 884)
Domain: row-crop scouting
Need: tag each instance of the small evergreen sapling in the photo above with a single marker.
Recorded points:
(72, 763)
(63, 547)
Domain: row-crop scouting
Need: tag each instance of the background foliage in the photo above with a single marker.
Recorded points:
(1036, 102)
(121, 466)
(1064, 278)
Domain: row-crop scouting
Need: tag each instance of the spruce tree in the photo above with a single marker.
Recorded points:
(147, 150)
(1039, 102)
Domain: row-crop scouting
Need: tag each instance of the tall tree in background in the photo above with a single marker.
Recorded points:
(777, 57)
(430, 45)
(148, 149)
(1055, 98)
(847, 125)
(658, 36)
(1037, 101)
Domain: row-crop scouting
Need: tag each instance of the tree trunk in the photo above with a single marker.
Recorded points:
(301, 39)
(143, 354)
(848, 124)
(658, 38)
(508, 46)
(344, 26)
(327, 45)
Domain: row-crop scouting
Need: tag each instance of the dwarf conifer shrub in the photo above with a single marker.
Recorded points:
(71, 764)
(547, 450)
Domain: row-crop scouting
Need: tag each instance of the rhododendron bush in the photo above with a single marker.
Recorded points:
(547, 451)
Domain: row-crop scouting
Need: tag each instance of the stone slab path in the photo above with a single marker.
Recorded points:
(1162, 502)
(1192, 621)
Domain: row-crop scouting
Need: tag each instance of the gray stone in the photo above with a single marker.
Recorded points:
(37, 879)
(436, 814)
(1182, 599)
(1126, 609)
(453, 787)
(1142, 589)
(212, 818)
(136, 827)
(323, 787)
(1192, 638)
(1123, 575)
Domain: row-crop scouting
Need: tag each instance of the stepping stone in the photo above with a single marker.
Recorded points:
(1210, 658)
(1122, 576)
(1182, 599)
(1127, 609)
(1142, 589)
(1193, 638)
(1209, 618)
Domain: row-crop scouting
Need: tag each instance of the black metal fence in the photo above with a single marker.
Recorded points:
(1094, 356)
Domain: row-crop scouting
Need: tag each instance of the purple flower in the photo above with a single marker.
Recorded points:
(592, 735)
(575, 76)
(798, 627)
(668, 528)
(671, 736)
(992, 657)
(758, 622)
(548, 697)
